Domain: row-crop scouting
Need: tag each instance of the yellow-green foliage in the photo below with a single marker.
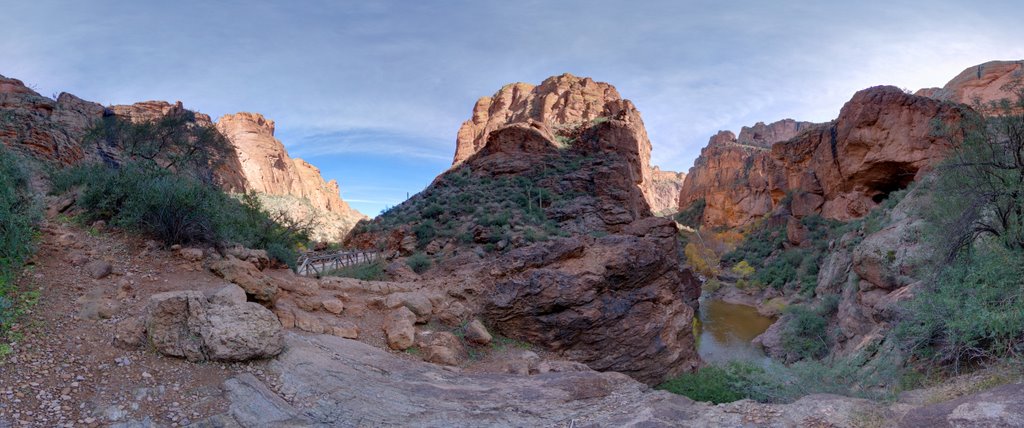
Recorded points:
(744, 271)
(702, 260)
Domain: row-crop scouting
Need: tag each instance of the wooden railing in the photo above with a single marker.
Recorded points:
(318, 263)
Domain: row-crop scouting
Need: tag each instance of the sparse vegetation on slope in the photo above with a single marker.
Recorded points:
(19, 212)
(166, 191)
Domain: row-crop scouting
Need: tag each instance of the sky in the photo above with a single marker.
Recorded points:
(373, 92)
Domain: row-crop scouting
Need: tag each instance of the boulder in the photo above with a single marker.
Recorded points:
(130, 333)
(417, 302)
(618, 304)
(185, 324)
(258, 286)
(476, 333)
(99, 269)
(345, 329)
(334, 306)
(399, 329)
(191, 254)
(440, 348)
(229, 294)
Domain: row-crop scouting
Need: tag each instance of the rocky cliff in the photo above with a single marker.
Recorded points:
(881, 141)
(566, 104)
(295, 185)
(56, 130)
(665, 189)
(549, 227)
(982, 85)
(731, 174)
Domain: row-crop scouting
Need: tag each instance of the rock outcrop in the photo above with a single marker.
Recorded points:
(762, 135)
(332, 382)
(558, 245)
(614, 304)
(295, 186)
(566, 104)
(665, 189)
(882, 140)
(55, 130)
(981, 85)
(186, 324)
(43, 128)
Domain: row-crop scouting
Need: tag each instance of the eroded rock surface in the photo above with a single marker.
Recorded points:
(337, 382)
(982, 84)
(882, 140)
(186, 324)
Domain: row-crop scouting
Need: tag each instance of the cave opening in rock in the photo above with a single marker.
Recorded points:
(888, 177)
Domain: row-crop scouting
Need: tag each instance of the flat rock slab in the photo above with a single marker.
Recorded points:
(1001, 406)
(334, 382)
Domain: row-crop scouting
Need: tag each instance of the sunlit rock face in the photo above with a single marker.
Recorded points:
(882, 140)
(299, 188)
(981, 84)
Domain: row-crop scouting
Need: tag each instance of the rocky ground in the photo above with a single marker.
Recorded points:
(75, 366)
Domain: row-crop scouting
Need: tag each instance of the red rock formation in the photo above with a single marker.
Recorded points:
(982, 84)
(606, 294)
(732, 179)
(148, 111)
(267, 169)
(665, 189)
(881, 141)
(762, 135)
(44, 128)
(566, 104)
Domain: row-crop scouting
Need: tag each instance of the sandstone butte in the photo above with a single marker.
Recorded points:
(882, 140)
(562, 103)
(56, 130)
(605, 295)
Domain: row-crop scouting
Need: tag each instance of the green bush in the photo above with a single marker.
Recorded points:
(425, 232)
(19, 214)
(974, 311)
(805, 333)
(178, 209)
(723, 383)
(418, 262)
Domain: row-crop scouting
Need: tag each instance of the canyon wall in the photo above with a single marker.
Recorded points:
(57, 131)
(882, 140)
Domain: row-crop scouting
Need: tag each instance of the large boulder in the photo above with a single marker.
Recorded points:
(619, 305)
(399, 328)
(186, 324)
(257, 285)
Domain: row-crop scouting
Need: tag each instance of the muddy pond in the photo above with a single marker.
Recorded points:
(725, 331)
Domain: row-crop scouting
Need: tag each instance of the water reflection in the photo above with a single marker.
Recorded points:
(726, 329)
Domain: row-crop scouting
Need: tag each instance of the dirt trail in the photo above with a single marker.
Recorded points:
(66, 371)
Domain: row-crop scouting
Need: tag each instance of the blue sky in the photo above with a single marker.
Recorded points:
(373, 92)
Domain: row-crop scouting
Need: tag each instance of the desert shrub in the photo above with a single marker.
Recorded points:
(175, 142)
(805, 333)
(974, 311)
(19, 214)
(693, 215)
(418, 262)
(701, 259)
(714, 383)
(432, 210)
(743, 272)
(179, 209)
(425, 232)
